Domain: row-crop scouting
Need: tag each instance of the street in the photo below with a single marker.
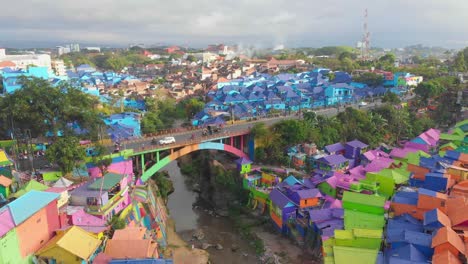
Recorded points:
(183, 136)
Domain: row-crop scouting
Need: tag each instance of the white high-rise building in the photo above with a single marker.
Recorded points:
(59, 67)
(23, 61)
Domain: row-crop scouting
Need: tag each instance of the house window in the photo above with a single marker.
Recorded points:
(305, 201)
(91, 201)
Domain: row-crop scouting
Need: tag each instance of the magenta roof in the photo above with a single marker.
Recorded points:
(6, 221)
(434, 133)
(56, 189)
(401, 153)
(82, 219)
(417, 146)
(379, 164)
(358, 172)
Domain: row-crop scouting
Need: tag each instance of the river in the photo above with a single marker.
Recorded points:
(217, 230)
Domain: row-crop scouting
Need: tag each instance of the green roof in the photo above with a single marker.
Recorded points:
(450, 144)
(446, 136)
(398, 176)
(31, 185)
(462, 123)
(355, 219)
(363, 199)
(463, 149)
(354, 255)
(110, 180)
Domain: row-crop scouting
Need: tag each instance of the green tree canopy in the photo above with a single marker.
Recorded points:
(369, 78)
(391, 98)
(460, 64)
(427, 90)
(44, 108)
(67, 153)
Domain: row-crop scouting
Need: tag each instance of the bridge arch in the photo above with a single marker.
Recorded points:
(189, 149)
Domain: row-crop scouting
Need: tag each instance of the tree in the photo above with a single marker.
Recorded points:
(47, 109)
(427, 90)
(67, 153)
(369, 78)
(391, 98)
(101, 159)
(191, 58)
(460, 64)
(116, 63)
(193, 106)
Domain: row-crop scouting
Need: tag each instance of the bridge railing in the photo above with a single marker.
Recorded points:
(221, 135)
(185, 130)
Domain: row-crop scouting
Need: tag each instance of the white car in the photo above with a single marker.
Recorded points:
(362, 103)
(166, 140)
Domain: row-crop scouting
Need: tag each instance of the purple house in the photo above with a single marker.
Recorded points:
(354, 149)
(102, 197)
(336, 148)
(327, 220)
(333, 163)
(281, 209)
(306, 197)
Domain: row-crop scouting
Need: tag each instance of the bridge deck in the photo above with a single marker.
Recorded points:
(143, 149)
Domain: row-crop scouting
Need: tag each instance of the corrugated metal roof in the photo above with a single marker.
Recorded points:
(110, 180)
(30, 203)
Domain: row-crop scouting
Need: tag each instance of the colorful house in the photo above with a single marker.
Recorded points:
(5, 184)
(103, 197)
(305, 197)
(243, 165)
(27, 224)
(90, 223)
(281, 209)
(333, 163)
(130, 243)
(73, 245)
(31, 185)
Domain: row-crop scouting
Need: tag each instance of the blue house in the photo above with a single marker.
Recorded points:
(11, 78)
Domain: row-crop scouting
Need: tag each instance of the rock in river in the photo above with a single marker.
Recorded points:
(198, 234)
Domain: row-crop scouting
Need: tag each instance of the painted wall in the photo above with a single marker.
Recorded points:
(122, 167)
(9, 249)
(33, 233)
(53, 221)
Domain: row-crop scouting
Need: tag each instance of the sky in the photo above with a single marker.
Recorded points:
(262, 23)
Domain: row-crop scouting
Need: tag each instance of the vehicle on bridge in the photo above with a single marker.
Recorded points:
(166, 140)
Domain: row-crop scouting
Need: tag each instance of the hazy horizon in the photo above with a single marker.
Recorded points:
(262, 23)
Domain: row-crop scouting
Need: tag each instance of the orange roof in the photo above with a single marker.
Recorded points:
(443, 218)
(129, 233)
(222, 79)
(4, 181)
(124, 249)
(445, 257)
(4, 64)
(447, 235)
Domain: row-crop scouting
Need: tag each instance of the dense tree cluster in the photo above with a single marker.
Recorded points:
(388, 124)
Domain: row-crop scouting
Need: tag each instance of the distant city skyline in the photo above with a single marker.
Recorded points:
(262, 23)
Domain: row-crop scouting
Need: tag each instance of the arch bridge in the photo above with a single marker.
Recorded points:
(238, 143)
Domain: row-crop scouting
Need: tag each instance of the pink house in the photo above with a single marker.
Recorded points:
(88, 222)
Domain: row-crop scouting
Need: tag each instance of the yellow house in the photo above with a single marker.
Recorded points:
(73, 245)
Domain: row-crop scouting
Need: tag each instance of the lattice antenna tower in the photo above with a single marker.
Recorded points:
(365, 46)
